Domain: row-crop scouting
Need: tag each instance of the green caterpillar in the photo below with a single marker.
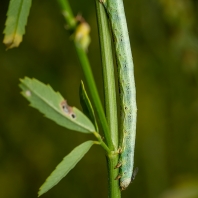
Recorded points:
(115, 11)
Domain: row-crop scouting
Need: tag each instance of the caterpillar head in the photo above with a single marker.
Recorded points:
(125, 183)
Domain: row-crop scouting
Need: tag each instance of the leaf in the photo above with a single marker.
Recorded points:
(86, 105)
(17, 15)
(54, 107)
(65, 166)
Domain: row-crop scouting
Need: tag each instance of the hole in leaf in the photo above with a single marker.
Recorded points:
(73, 115)
(67, 109)
(28, 93)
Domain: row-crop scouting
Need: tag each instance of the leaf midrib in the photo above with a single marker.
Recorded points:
(17, 21)
(43, 99)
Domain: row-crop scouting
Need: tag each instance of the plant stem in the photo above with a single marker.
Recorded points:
(94, 93)
(69, 17)
(108, 72)
(67, 12)
(113, 185)
(110, 97)
(101, 142)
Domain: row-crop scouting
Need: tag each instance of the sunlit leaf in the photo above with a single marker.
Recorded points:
(16, 21)
(86, 105)
(65, 166)
(54, 106)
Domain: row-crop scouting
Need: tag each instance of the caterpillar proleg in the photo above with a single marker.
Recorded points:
(115, 11)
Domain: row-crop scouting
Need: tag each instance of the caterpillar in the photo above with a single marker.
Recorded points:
(126, 82)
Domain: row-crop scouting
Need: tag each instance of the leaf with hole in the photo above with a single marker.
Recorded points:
(54, 106)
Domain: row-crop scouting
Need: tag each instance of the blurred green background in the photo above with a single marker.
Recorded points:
(165, 50)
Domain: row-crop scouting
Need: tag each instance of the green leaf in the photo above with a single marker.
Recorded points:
(54, 107)
(86, 105)
(65, 166)
(17, 15)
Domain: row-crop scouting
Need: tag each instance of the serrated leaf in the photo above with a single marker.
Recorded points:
(17, 15)
(54, 107)
(65, 166)
(86, 105)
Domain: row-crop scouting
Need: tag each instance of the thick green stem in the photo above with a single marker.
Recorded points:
(110, 97)
(113, 184)
(108, 72)
(71, 22)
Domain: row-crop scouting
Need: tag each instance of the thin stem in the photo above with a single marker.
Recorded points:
(67, 12)
(101, 142)
(93, 91)
(110, 98)
(69, 17)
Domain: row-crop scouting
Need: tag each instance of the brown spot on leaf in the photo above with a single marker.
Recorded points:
(67, 109)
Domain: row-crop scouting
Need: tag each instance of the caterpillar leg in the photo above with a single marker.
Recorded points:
(118, 165)
(118, 177)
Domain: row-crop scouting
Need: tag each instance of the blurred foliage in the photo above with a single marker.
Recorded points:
(165, 50)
